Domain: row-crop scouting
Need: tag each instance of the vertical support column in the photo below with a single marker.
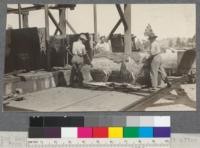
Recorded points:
(25, 19)
(127, 32)
(133, 44)
(62, 24)
(19, 15)
(95, 21)
(47, 35)
(62, 20)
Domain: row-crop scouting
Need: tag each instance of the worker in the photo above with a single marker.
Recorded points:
(133, 45)
(78, 51)
(103, 45)
(156, 66)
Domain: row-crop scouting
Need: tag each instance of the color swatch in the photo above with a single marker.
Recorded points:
(69, 132)
(161, 132)
(131, 132)
(85, 132)
(115, 132)
(146, 132)
(52, 132)
(36, 132)
(100, 132)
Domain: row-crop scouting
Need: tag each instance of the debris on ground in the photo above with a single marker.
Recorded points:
(66, 67)
(173, 92)
(122, 87)
(15, 96)
(190, 90)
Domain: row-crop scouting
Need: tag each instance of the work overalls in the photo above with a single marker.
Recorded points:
(156, 67)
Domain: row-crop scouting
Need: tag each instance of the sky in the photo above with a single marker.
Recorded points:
(167, 20)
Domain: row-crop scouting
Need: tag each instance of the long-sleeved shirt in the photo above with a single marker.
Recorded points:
(103, 46)
(78, 48)
(155, 48)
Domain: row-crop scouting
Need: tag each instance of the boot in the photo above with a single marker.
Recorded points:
(167, 82)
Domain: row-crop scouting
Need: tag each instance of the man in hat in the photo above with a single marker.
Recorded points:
(78, 51)
(156, 65)
(103, 45)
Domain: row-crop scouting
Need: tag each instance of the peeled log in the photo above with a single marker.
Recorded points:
(86, 73)
(100, 75)
(128, 71)
(125, 74)
(102, 69)
(105, 69)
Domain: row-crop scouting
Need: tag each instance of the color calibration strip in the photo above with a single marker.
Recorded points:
(100, 132)
(76, 127)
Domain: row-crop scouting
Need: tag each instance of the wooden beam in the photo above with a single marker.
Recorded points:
(36, 7)
(47, 36)
(60, 6)
(95, 21)
(56, 31)
(62, 20)
(54, 21)
(70, 27)
(8, 9)
(114, 28)
(11, 10)
(122, 16)
(19, 15)
(127, 32)
(25, 20)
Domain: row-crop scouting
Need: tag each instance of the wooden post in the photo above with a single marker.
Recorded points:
(47, 35)
(25, 19)
(134, 48)
(19, 15)
(95, 22)
(62, 20)
(47, 21)
(62, 24)
(127, 32)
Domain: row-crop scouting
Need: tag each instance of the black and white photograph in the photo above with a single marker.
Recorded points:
(100, 57)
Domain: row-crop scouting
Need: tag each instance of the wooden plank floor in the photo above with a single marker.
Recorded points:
(179, 97)
(74, 99)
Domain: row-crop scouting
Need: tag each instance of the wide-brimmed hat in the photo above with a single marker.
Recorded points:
(133, 36)
(153, 36)
(83, 36)
(102, 37)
